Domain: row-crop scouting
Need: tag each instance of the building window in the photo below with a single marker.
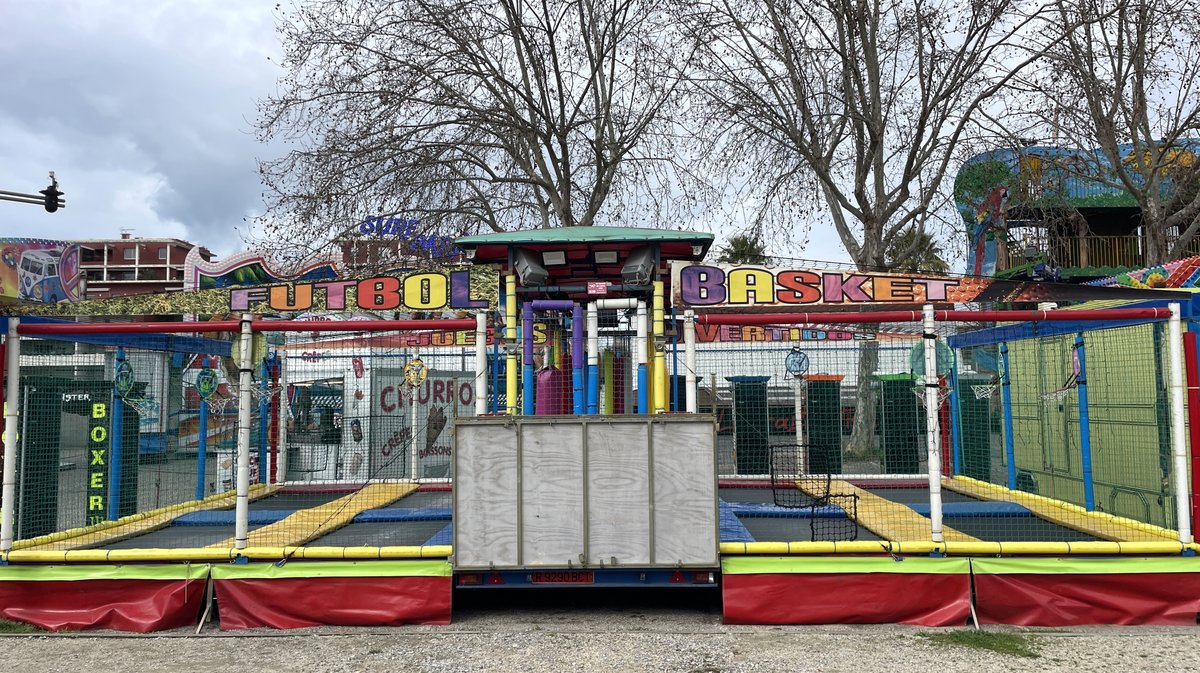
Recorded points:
(128, 253)
(162, 253)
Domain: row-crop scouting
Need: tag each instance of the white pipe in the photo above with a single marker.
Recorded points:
(1178, 436)
(413, 451)
(480, 364)
(593, 334)
(643, 329)
(242, 512)
(615, 303)
(932, 429)
(12, 372)
(689, 360)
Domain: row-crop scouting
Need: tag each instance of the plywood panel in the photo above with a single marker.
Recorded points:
(618, 493)
(485, 495)
(552, 494)
(685, 498)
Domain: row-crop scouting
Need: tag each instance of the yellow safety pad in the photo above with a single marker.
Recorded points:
(1097, 524)
(309, 524)
(889, 520)
(137, 524)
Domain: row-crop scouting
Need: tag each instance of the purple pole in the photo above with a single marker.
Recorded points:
(552, 305)
(577, 359)
(527, 370)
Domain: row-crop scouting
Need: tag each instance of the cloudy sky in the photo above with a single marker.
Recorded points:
(143, 108)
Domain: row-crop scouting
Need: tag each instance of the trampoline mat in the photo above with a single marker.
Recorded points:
(176, 537)
(402, 533)
(1014, 529)
(762, 495)
(917, 495)
(295, 500)
(423, 499)
(765, 529)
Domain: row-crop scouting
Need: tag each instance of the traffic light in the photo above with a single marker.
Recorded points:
(53, 197)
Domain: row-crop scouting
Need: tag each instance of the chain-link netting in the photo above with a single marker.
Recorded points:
(1046, 432)
(1062, 427)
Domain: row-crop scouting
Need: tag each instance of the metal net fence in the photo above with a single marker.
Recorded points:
(1045, 431)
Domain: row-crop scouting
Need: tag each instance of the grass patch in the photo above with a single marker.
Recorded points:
(1012, 644)
(17, 627)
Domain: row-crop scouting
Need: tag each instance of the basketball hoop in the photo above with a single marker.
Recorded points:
(984, 392)
(942, 393)
(1057, 395)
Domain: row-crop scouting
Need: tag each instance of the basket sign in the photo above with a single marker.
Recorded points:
(123, 380)
(206, 383)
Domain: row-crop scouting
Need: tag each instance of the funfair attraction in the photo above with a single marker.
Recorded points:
(599, 407)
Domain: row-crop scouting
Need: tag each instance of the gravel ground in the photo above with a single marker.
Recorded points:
(567, 633)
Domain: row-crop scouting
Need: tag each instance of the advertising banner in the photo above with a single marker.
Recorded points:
(717, 287)
(44, 272)
(410, 421)
(451, 289)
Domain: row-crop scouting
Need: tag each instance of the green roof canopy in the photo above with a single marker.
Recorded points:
(586, 235)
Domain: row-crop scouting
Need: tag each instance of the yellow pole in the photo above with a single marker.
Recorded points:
(660, 358)
(510, 344)
(607, 370)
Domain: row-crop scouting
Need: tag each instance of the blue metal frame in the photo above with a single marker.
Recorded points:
(202, 442)
(1006, 404)
(955, 423)
(116, 430)
(1085, 433)
(607, 577)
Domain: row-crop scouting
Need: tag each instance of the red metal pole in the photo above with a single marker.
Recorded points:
(1193, 411)
(257, 326)
(914, 316)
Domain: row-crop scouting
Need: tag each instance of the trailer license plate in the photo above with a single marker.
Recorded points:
(563, 577)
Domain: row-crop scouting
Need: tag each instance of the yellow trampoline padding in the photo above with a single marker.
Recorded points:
(309, 524)
(132, 526)
(889, 520)
(1097, 524)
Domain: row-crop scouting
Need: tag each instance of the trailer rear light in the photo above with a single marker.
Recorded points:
(470, 580)
(704, 578)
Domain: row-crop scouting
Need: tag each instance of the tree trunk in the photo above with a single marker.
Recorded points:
(862, 445)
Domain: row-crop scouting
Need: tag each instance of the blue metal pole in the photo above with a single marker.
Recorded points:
(527, 368)
(643, 389)
(1006, 402)
(263, 417)
(578, 403)
(202, 441)
(955, 421)
(114, 441)
(1085, 432)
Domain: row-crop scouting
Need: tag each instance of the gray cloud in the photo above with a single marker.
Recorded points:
(143, 109)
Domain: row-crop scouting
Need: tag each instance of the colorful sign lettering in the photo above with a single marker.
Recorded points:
(445, 289)
(97, 473)
(757, 288)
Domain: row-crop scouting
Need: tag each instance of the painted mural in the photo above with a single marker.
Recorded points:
(248, 268)
(1039, 178)
(39, 271)
(1181, 274)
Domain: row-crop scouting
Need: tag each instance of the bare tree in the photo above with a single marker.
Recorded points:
(470, 116)
(1121, 85)
(865, 100)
